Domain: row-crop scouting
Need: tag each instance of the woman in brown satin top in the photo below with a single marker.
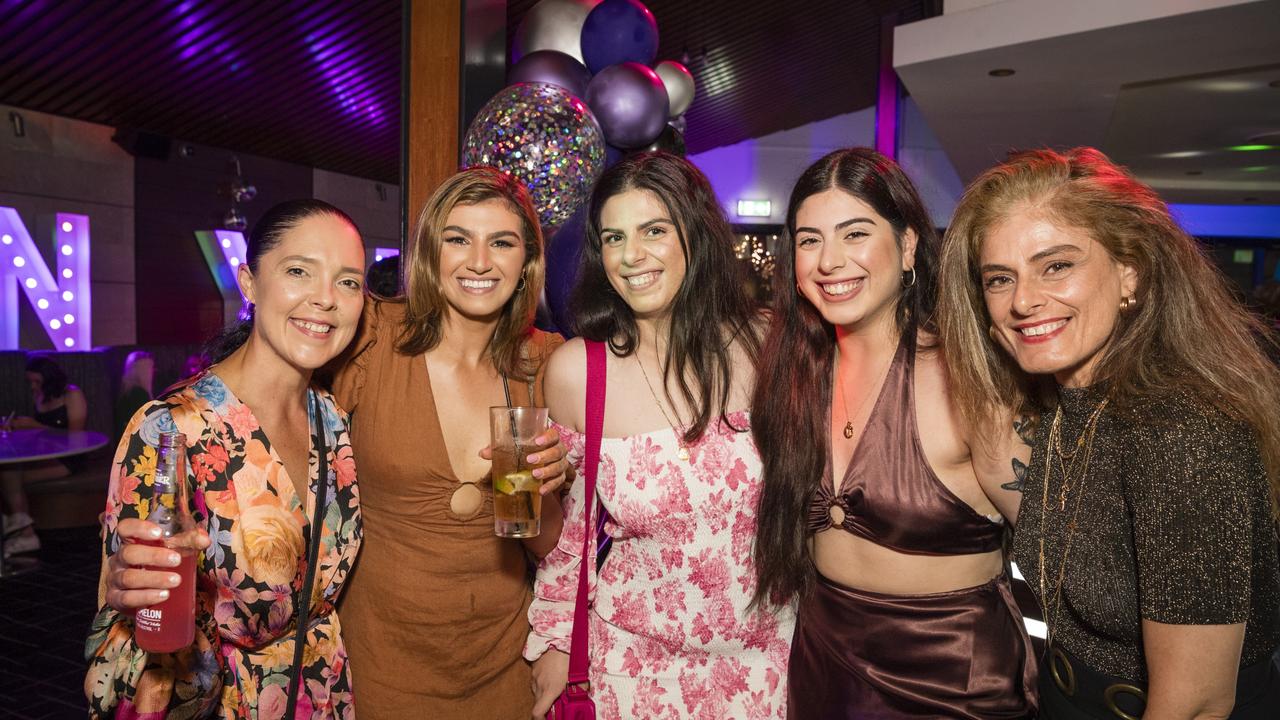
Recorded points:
(882, 515)
(436, 607)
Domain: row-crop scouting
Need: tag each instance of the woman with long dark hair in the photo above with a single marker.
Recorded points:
(880, 515)
(672, 632)
(1148, 533)
(254, 425)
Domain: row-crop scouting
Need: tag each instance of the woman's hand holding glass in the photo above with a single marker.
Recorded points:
(132, 579)
(550, 462)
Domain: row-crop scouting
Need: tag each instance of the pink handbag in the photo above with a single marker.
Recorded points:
(575, 702)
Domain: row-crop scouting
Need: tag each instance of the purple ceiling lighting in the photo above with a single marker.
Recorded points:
(346, 68)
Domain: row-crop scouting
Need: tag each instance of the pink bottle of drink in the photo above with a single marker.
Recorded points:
(170, 625)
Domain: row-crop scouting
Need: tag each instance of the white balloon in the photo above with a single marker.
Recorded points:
(552, 25)
(680, 86)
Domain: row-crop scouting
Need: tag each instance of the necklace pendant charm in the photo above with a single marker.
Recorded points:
(848, 430)
(683, 453)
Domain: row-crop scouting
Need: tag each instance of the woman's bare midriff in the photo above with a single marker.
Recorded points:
(858, 563)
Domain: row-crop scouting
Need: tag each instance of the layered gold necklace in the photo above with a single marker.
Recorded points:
(1074, 466)
(683, 450)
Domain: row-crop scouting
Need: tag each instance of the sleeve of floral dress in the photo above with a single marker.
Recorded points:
(555, 590)
(122, 677)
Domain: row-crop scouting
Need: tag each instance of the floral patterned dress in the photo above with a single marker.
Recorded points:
(247, 581)
(670, 632)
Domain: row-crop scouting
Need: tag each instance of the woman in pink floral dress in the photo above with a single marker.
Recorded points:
(673, 633)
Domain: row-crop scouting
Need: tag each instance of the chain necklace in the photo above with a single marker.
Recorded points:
(1068, 469)
(844, 403)
(683, 451)
(1085, 443)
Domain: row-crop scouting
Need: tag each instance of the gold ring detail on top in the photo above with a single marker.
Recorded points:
(1109, 697)
(1066, 684)
(837, 515)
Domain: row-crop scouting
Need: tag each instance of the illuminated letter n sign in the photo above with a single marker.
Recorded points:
(61, 301)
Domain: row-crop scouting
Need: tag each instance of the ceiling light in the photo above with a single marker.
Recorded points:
(1182, 154)
(1251, 148)
(1255, 168)
(1001, 72)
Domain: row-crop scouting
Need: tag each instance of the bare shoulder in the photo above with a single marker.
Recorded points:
(565, 383)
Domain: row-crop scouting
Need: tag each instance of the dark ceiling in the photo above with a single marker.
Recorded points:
(317, 81)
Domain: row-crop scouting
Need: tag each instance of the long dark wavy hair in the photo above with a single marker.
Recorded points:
(710, 310)
(791, 405)
(264, 236)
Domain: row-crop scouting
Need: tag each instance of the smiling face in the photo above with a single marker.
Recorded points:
(307, 291)
(482, 254)
(641, 251)
(849, 261)
(1053, 295)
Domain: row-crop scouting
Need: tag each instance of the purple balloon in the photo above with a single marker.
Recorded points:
(618, 31)
(630, 103)
(555, 68)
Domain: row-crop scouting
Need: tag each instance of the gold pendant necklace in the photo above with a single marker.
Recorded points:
(683, 450)
(844, 403)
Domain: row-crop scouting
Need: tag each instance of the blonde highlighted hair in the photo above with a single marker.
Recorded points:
(427, 305)
(1186, 332)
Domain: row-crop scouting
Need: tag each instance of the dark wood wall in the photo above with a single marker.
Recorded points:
(177, 301)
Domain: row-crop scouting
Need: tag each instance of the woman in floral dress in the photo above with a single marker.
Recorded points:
(673, 633)
(254, 468)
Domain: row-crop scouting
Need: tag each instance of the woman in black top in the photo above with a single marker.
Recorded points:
(1148, 524)
(58, 404)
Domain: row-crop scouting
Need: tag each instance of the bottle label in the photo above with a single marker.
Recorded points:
(148, 619)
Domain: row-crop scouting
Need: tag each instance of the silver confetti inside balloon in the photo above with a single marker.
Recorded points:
(544, 137)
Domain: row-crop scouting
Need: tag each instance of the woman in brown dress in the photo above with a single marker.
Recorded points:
(1148, 533)
(436, 609)
(882, 513)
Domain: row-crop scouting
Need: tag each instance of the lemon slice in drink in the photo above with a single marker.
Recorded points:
(512, 483)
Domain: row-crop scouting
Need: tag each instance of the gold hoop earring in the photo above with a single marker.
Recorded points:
(1126, 303)
(520, 283)
(913, 278)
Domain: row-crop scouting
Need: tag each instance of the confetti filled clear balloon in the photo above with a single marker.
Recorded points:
(547, 139)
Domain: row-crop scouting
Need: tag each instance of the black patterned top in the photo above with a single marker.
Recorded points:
(1174, 525)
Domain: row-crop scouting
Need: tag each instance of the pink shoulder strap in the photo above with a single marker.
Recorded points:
(578, 661)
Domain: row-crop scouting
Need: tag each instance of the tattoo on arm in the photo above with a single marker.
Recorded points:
(1019, 476)
(1023, 426)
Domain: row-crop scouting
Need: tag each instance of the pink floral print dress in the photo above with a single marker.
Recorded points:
(670, 632)
(247, 581)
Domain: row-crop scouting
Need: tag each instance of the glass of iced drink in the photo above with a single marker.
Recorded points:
(517, 506)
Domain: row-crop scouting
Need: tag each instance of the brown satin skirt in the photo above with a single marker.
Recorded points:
(871, 656)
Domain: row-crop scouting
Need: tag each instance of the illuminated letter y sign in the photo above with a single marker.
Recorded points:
(62, 301)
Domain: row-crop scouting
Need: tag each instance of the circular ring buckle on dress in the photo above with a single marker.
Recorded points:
(1109, 697)
(1067, 685)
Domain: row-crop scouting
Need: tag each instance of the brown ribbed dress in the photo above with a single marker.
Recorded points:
(435, 612)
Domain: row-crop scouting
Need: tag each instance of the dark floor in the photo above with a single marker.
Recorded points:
(44, 618)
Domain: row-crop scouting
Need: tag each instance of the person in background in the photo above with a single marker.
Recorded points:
(672, 628)
(436, 611)
(383, 277)
(1148, 527)
(135, 387)
(883, 514)
(60, 405)
(253, 423)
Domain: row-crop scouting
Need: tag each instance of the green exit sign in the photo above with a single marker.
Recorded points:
(1243, 257)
